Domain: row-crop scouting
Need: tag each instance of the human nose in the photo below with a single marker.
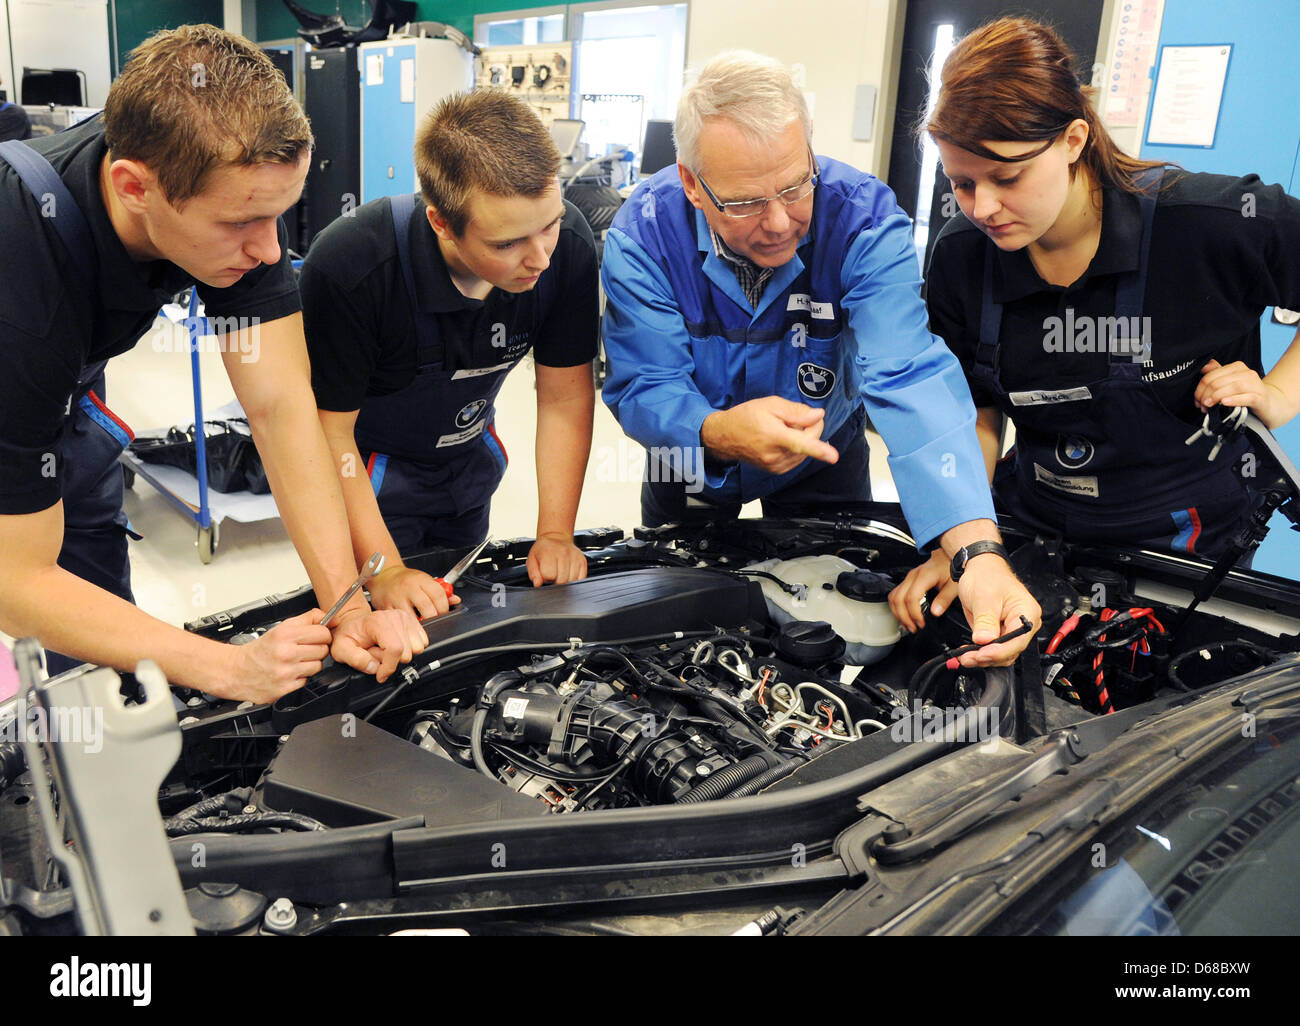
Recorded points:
(986, 204)
(776, 219)
(264, 244)
(538, 258)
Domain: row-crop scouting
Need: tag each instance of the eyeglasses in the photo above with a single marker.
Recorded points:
(753, 207)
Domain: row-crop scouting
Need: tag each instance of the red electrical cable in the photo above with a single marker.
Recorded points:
(1103, 696)
(1070, 624)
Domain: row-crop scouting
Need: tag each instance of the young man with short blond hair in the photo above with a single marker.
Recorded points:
(200, 149)
(417, 307)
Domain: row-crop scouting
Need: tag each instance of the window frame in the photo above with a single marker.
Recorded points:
(522, 14)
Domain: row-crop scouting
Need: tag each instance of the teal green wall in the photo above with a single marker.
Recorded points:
(139, 19)
(275, 22)
(461, 12)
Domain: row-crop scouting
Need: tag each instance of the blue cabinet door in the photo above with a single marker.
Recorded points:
(387, 124)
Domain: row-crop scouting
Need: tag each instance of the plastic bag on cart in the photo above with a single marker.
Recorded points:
(234, 464)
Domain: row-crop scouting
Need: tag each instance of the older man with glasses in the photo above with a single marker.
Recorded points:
(762, 300)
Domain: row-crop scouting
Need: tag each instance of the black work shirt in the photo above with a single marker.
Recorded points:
(360, 331)
(52, 326)
(1223, 249)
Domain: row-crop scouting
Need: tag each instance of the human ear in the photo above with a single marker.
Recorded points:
(131, 182)
(691, 186)
(439, 224)
(1076, 137)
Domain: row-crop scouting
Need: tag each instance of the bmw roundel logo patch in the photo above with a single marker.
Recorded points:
(815, 381)
(469, 413)
(1074, 451)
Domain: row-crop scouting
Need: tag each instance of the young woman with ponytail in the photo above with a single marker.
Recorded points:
(1103, 304)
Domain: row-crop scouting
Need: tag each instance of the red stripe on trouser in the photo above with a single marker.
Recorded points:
(1196, 529)
(110, 414)
(492, 430)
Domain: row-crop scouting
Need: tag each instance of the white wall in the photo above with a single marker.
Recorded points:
(840, 43)
(232, 16)
(10, 83)
(63, 34)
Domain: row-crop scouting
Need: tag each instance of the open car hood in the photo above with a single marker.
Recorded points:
(678, 743)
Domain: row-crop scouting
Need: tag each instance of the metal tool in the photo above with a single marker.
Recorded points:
(453, 575)
(1220, 424)
(373, 565)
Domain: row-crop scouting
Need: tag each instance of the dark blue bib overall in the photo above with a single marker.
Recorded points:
(1104, 461)
(431, 449)
(94, 524)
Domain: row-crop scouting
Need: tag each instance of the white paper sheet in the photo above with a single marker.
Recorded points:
(1188, 93)
(408, 80)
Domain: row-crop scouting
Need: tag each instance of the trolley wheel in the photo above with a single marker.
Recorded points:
(208, 539)
(128, 476)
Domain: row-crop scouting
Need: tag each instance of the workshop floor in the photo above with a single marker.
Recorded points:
(151, 390)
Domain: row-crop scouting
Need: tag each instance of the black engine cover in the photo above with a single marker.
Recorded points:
(633, 604)
(344, 772)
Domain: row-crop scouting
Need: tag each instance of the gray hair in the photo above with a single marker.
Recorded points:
(753, 92)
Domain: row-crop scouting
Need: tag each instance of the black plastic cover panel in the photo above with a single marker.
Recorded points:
(343, 771)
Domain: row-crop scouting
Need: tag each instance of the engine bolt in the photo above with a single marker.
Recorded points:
(281, 915)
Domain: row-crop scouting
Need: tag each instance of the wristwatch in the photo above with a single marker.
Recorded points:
(968, 552)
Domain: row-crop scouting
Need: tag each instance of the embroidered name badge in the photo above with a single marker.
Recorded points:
(478, 372)
(1070, 485)
(461, 437)
(1047, 396)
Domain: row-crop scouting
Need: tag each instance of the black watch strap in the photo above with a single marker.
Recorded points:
(968, 552)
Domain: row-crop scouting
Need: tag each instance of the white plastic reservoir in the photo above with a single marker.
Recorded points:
(853, 601)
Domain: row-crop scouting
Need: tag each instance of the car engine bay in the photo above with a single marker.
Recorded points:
(693, 667)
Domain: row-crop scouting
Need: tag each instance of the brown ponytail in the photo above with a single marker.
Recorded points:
(1013, 80)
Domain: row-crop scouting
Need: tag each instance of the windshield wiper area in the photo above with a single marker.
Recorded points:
(1064, 748)
(1107, 766)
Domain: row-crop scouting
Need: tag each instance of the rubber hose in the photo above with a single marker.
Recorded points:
(487, 697)
(751, 787)
(211, 806)
(476, 743)
(244, 821)
(723, 781)
(1221, 648)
